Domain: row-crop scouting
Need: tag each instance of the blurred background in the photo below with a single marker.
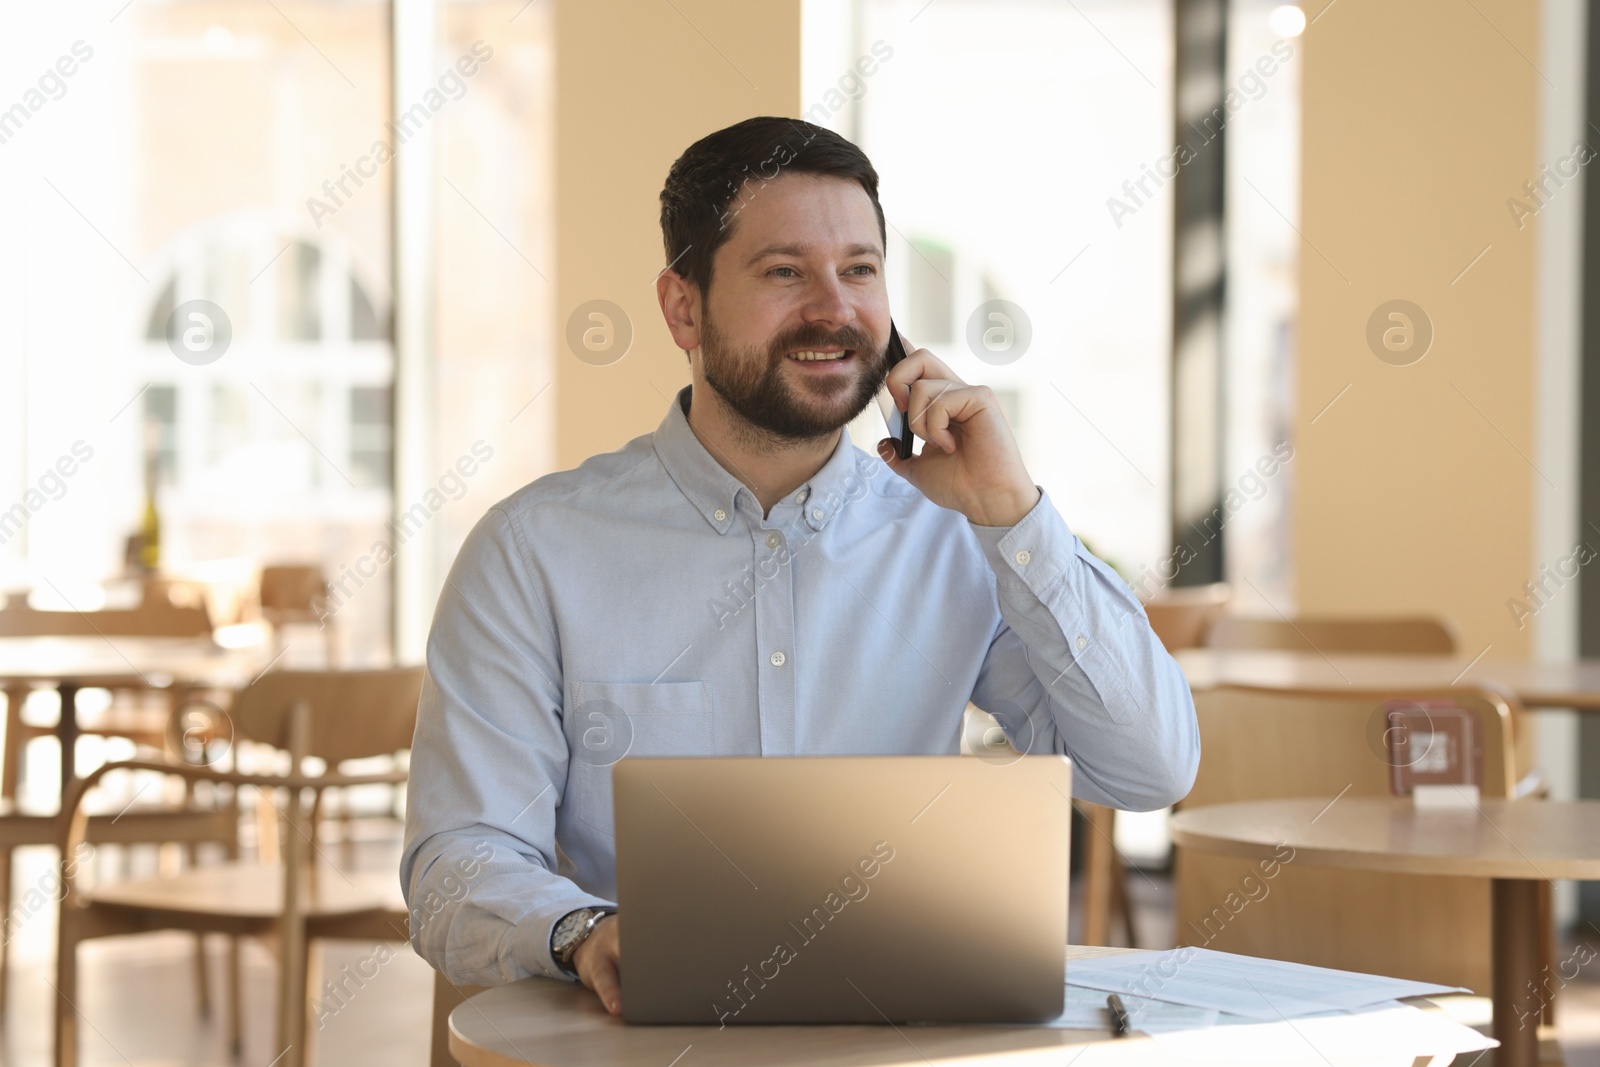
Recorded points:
(1287, 297)
(225, 152)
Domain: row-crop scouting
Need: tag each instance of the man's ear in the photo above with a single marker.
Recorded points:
(681, 308)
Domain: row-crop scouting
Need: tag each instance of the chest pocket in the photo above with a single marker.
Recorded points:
(611, 720)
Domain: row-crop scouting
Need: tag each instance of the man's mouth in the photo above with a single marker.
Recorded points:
(835, 355)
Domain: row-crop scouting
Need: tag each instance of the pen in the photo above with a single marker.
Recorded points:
(1119, 1016)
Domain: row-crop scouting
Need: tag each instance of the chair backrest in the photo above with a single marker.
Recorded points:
(154, 618)
(1180, 617)
(1267, 743)
(353, 714)
(1417, 635)
(289, 592)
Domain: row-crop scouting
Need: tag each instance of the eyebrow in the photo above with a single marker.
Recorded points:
(801, 250)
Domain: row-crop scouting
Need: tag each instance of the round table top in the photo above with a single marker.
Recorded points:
(1533, 839)
(1545, 685)
(129, 661)
(544, 1022)
(550, 1023)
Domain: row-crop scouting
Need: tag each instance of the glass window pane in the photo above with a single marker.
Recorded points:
(202, 153)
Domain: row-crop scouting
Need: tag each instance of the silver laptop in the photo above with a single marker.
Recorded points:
(842, 890)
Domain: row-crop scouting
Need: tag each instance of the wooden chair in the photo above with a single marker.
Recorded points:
(447, 996)
(1417, 636)
(1181, 616)
(1280, 743)
(334, 716)
(190, 824)
(290, 595)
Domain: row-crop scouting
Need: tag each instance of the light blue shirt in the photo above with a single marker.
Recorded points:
(641, 604)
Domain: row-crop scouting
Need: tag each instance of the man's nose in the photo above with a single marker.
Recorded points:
(827, 302)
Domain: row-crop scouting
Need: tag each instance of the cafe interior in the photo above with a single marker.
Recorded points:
(1288, 307)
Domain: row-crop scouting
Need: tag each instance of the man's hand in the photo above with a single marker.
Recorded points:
(969, 461)
(598, 963)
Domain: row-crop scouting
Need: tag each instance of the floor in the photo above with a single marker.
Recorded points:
(138, 996)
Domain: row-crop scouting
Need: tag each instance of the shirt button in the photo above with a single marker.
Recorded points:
(816, 513)
(719, 515)
(772, 540)
(1024, 557)
(805, 494)
(1082, 642)
(777, 659)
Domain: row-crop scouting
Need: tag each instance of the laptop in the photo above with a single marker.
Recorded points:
(857, 889)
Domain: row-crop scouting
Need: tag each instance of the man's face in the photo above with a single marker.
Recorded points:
(802, 274)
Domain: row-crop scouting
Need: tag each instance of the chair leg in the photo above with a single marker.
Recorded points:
(202, 966)
(202, 977)
(235, 1001)
(66, 1013)
(309, 980)
(1120, 902)
(1098, 874)
(11, 761)
(5, 925)
(347, 841)
(446, 997)
(292, 996)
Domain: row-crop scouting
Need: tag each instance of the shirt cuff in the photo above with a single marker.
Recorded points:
(1035, 552)
(531, 944)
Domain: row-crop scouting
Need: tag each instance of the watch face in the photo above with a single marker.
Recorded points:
(570, 927)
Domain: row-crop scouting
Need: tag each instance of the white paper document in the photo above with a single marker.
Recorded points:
(1240, 985)
(1389, 1032)
(1086, 1010)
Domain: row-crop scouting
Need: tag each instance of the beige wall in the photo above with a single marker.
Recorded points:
(1414, 492)
(637, 84)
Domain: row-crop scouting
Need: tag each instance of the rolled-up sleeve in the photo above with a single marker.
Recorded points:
(488, 769)
(1074, 668)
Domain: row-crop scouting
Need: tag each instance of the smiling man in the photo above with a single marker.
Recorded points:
(744, 581)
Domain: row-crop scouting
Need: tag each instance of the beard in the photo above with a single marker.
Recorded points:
(752, 384)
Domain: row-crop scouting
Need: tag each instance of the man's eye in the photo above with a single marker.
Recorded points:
(869, 268)
(774, 270)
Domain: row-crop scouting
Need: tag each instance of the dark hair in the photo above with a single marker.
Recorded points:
(698, 202)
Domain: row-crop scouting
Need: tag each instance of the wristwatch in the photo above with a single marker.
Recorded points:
(573, 930)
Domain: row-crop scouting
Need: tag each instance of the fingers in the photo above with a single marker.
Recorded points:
(917, 364)
(599, 964)
(935, 405)
(604, 979)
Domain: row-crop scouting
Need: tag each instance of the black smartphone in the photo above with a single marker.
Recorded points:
(899, 425)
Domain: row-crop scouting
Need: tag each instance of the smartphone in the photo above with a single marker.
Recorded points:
(899, 425)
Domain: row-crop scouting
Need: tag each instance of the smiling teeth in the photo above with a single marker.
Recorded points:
(812, 357)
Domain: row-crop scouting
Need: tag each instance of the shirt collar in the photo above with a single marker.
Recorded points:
(715, 492)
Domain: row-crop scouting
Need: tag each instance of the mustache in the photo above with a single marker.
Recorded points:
(806, 340)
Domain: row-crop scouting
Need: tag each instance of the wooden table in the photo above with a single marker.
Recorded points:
(1541, 685)
(1518, 844)
(549, 1023)
(69, 664)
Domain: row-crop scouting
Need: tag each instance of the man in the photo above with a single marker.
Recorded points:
(746, 582)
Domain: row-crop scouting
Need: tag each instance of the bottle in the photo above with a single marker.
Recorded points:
(150, 527)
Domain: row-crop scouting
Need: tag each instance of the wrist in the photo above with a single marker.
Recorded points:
(1005, 508)
(570, 933)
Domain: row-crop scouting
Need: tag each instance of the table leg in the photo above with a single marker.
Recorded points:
(67, 731)
(1517, 1008)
